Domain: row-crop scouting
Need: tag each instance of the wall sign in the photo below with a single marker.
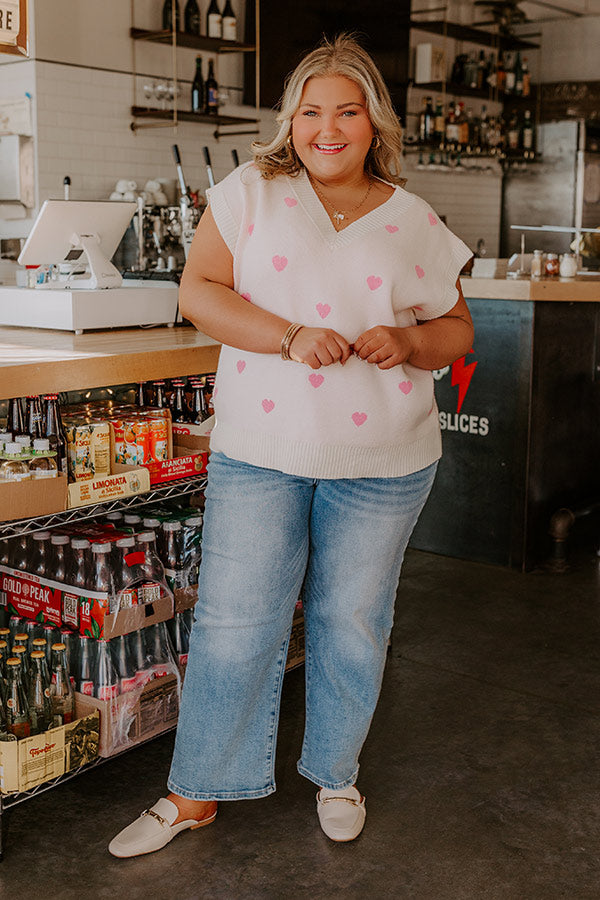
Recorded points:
(13, 27)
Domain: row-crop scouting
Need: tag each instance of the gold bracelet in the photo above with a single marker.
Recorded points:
(287, 339)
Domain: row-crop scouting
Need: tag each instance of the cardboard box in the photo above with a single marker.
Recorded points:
(59, 604)
(126, 481)
(204, 429)
(26, 763)
(430, 63)
(295, 655)
(27, 499)
(137, 715)
(190, 457)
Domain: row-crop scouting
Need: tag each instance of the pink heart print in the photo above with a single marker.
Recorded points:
(250, 229)
(268, 406)
(432, 219)
(246, 297)
(323, 309)
(392, 229)
(420, 272)
(241, 365)
(316, 380)
(374, 282)
(359, 418)
(290, 201)
(406, 386)
(280, 262)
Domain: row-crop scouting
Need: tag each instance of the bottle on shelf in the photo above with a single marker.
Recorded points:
(13, 467)
(158, 649)
(451, 126)
(137, 653)
(199, 411)
(79, 572)
(19, 651)
(191, 18)
(142, 397)
(500, 74)
(159, 400)
(510, 76)
(179, 408)
(526, 78)
(173, 554)
(481, 71)
(427, 121)
(61, 690)
(42, 465)
(167, 15)
(439, 122)
(518, 70)
(126, 594)
(38, 694)
(214, 20)
(16, 420)
(34, 417)
(198, 89)
(102, 574)
(212, 91)
(60, 546)
(41, 555)
(124, 664)
(527, 141)
(106, 680)
(180, 638)
(54, 430)
(84, 680)
(512, 133)
(229, 22)
(16, 707)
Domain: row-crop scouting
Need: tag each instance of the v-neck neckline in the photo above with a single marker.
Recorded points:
(375, 218)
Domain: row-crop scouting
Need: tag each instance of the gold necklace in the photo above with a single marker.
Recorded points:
(338, 215)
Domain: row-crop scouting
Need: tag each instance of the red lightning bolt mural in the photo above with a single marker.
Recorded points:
(461, 376)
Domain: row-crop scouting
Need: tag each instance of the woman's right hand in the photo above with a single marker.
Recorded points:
(316, 347)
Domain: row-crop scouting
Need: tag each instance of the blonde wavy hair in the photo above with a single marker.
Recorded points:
(342, 56)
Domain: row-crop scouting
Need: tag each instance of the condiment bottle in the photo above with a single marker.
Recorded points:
(14, 467)
(552, 265)
(537, 264)
(568, 265)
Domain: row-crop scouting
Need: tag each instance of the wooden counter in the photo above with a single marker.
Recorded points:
(33, 361)
(581, 290)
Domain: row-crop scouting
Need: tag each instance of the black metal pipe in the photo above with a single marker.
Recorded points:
(559, 529)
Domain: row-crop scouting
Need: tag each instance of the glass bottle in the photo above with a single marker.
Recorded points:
(106, 680)
(198, 102)
(192, 548)
(16, 707)
(159, 400)
(167, 15)
(229, 22)
(124, 665)
(79, 572)
(141, 395)
(60, 545)
(158, 648)
(526, 78)
(20, 652)
(19, 552)
(179, 408)
(61, 690)
(33, 417)
(180, 638)
(198, 412)
(40, 557)
(16, 420)
(125, 591)
(212, 89)
(38, 694)
(84, 679)
(55, 432)
(172, 555)
(137, 652)
(132, 522)
(191, 18)
(214, 20)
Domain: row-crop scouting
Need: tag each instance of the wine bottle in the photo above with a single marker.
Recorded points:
(198, 89)
(214, 21)
(191, 18)
(229, 23)
(167, 16)
(212, 91)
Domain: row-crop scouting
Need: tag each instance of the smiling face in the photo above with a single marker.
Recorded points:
(331, 130)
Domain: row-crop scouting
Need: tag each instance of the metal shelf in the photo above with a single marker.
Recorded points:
(474, 35)
(167, 491)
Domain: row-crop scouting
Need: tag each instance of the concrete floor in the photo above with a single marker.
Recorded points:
(480, 772)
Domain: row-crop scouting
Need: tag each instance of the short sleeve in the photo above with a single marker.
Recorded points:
(442, 255)
(226, 200)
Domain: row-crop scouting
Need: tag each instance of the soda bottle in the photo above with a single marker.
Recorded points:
(180, 638)
(52, 636)
(125, 666)
(55, 432)
(40, 554)
(153, 570)
(79, 572)
(16, 420)
(150, 523)
(15, 624)
(38, 694)
(159, 400)
(192, 548)
(102, 576)
(179, 407)
(4, 552)
(198, 412)
(60, 546)
(40, 643)
(84, 682)
(4, 654)
(69, 639)
(16, 708)
(61, 690)
(142, 397)
(33, 417)
(115, 517)
(19, 651)
(106, 680)
(21, 637)
(158, 649)
(173, 554)
(137, 653)
(20, 553)
(125, 592)
(132, 521)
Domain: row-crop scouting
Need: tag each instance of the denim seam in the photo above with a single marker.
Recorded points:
(272, 737)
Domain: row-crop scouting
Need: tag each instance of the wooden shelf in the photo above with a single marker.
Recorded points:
(473, 35)
(462, 90)
(192, 41)
(146, 112)
(35, 361)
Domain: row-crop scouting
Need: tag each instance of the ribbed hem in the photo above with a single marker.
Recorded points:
(271, 451)
(228, 228)
(460, 254)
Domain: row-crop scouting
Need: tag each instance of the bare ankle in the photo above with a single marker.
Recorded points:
(191, 809)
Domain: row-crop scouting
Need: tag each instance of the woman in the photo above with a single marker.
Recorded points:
(335, 293)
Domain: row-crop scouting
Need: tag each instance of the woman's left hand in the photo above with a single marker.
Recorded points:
(384, 345)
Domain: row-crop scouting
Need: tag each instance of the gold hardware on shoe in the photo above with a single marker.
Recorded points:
(155, 815)
(345, 799)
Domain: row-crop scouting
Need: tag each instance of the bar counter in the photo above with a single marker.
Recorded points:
(520, 419)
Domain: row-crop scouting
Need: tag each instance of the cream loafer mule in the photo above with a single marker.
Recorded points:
(153, 830)
(341, 813)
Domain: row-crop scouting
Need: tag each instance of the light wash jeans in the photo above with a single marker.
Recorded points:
(267, 537)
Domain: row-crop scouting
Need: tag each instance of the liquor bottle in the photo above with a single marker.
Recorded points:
(79, 572)
(512, 134)
(16, 708)
(180, 638)
(526, 78)
(518, 68)
(38, 694)
(212, 90)
(427, 125)
(167, 16)
(15, 421)
(509, 82)
(438, 124)
(526, 140)
(33, 417)
(191, 18)
(61, 690)
(84, 679)
(481, 71)
(106, 680)
(451, 126)
(483, 128)
(40, 557)
(500, 74)
(172, 554)
(159, 400)
(179, 408)
(124, 665)
(55, 432)
(229, 23)
(462, 125)
(198, 89)
(198, 412)
(214, 21)
(60, 545)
